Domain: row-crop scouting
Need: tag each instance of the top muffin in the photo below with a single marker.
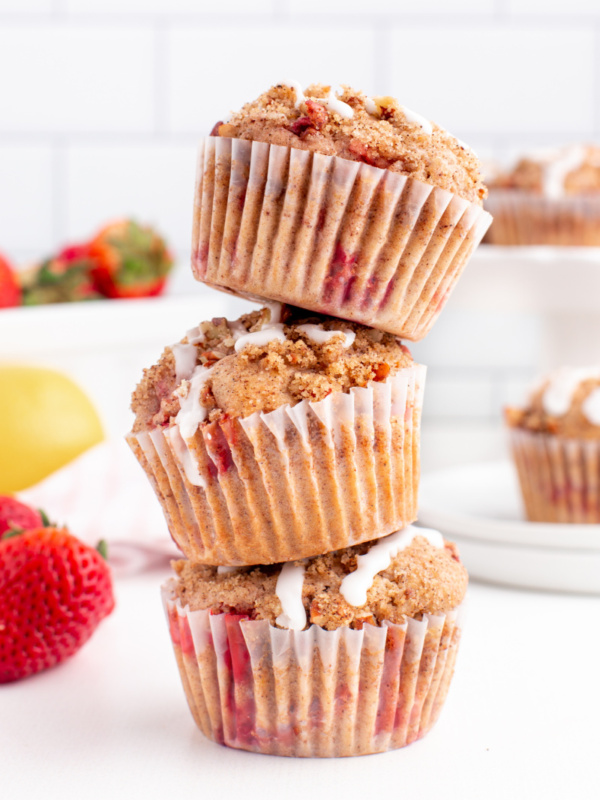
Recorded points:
(565, 403)
(376, 130)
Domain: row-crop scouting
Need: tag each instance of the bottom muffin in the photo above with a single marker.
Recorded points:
(344, 654)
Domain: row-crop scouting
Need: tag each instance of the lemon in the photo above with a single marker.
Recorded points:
(45, 422)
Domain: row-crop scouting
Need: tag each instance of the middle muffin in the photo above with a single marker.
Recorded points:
(280, 436)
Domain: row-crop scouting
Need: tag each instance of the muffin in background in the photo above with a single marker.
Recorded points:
(273, 437)
(339, 203)
(548, 198)
(555, 442)
(344, 654)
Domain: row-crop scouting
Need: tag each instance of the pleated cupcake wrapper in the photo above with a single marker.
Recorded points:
(321, 693)
(521, 218)
(300, 481)
(559, 477)
(335, 236)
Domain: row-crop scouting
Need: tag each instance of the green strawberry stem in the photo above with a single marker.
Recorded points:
(12, 532)
(102, 548)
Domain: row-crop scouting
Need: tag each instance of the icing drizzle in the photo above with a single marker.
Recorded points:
(356, 584)
(561, 388)
(185, 360)
(317, 334)
(268, 333)
(412, 116)
(331, 102)
(191, 412)
(289, 591)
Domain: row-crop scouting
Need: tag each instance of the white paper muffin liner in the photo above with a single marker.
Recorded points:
(331, 235)
(300, 481)
(321, 693)
(559, 477)
(522, 218)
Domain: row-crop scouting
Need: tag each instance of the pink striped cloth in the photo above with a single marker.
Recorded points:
(104, 494)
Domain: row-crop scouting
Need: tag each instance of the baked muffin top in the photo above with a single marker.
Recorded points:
(376, 130)
(267, 358)
(554, 173)
(565, 403)
(407, 574)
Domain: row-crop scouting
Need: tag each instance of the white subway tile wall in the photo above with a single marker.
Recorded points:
(103, 102)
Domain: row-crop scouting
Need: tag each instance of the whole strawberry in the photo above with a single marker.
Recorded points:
(62, 278)
(54, 591)
(10, 291)
(129, 260)
(14, 514)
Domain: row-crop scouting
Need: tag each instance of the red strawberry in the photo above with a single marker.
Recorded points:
(129, 260)
(62, 278)
(54, 591)
(10, 291)
(14, 514)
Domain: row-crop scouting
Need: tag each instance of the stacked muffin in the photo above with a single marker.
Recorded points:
(311, 618)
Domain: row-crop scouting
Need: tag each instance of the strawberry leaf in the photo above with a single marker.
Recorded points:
(102, 548)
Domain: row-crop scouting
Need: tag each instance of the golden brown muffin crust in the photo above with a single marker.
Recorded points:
(384, 136)
(422, 579)
(265, 377)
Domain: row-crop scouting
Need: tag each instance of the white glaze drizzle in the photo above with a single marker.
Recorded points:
(591, 407)
(336, 105)
(331, 102)
(562, 385)
(555, 165)
(268, 333)
(195, 336)
(275, 308)
(317, 334)
(556, 170)
(238, 329)
(297, 87)
(185, 360)
(412, 116)
(191, 412)
(186, 459)
(371, 107)
(355, 585)
(289, 591)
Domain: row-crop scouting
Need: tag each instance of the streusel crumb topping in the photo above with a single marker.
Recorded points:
(422, 579)
(378, 131)
(266, 373)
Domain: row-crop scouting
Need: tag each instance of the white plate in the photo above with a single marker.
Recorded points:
(479, 507)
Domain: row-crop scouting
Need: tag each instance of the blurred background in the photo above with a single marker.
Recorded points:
(103, 102)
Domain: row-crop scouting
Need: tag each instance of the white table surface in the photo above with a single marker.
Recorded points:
(520, 720)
